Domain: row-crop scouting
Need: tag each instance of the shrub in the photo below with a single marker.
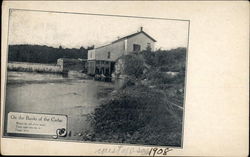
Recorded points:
(147, 110)
(131, 108)
(158, 77)
(170, 60)
(131, 111)
(134, 65)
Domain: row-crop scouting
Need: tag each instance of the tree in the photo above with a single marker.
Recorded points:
(43, 54)
(134, 65)
(90, 47)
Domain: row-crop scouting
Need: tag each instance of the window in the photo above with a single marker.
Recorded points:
(136, 47)
(148, 47)
(108, 54)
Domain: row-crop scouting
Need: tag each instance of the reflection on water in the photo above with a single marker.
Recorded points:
(55, 94)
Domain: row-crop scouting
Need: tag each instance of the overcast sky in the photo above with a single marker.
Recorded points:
(76, 30)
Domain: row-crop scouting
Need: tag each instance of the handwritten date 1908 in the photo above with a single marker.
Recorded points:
(159, 151)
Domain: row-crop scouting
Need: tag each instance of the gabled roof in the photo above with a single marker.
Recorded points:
(129, 36)
(134, 34)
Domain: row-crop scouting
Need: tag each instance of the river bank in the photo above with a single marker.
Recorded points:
(56, 94)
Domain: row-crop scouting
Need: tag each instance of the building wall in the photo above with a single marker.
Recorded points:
(91, 54)
(116, 50)
(98, 57)
(140, 39)
(120, 48)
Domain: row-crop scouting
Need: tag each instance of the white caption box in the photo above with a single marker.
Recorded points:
(31, 123)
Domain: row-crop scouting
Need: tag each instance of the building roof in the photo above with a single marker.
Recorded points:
(129, 36)
(134, 34)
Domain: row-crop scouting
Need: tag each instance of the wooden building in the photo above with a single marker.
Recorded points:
(101, 60)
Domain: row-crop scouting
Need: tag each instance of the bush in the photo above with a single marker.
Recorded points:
(169, 60)
(158, 77)
(147, 109)
(130, 115)
(131, 108)
(134, 65)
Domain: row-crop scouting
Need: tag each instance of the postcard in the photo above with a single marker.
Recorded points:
(80, 79)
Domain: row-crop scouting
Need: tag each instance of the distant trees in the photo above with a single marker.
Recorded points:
(168, 60)
(44, 54)
(90, 47)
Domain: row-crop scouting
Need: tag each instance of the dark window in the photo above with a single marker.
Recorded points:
(148, 47)
(108, 54)
(136, 47)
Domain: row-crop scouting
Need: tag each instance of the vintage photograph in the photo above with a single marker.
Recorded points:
(88, 77)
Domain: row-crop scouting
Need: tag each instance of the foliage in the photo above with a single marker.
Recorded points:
(43, 54)
(171, 60)
(134, 65)
(147, 110)
(136, 115)
(154, 66)
(159, 77)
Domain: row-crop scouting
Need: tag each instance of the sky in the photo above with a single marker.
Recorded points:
(76, 30)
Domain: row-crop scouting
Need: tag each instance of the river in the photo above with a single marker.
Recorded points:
(56, 94)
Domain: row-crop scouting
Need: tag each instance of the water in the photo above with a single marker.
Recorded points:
(56, 94)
